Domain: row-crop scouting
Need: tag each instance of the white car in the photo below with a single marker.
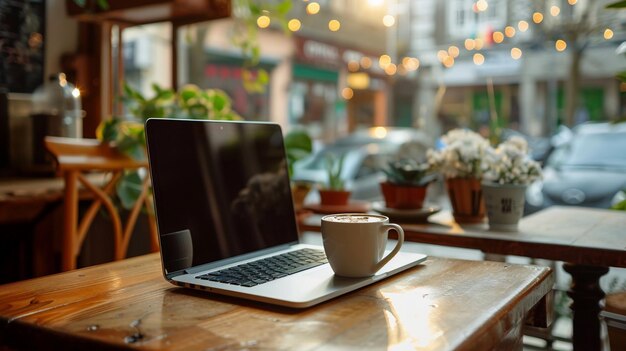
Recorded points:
(366, 153)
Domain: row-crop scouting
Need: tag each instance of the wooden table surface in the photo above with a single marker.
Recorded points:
(579, 235)
(442, 304)
(589, 240)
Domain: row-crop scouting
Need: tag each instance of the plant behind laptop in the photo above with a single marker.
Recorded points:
(334, 167)
(128, 134)
(333, 193)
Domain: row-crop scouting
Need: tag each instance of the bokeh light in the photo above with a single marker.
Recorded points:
(389, 20)
(482, 5)
(263, 21)
(347, 93)
(391, 69)
(509, 31)
(294, 25)
(312, 8)
(453, 51)
(516, 53)
(498, 37)
(479, 59)
(384, 61)
(366, 62)
(334, 25)
(522, 26)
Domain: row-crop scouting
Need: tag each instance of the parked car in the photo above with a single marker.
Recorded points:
(588, 170)
(366, 153)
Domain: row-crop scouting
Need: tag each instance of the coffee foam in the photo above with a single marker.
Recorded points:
(354, 218)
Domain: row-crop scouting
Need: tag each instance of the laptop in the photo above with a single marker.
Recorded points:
(226, 219)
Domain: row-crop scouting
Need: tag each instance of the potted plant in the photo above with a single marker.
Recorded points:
(461, 163)
(406, 184)
(508, 171)
(127, 134)
(334, 192)
(298, 145)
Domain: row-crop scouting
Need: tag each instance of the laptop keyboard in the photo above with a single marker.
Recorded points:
(267, 269)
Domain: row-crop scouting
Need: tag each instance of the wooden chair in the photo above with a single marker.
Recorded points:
(77, 157)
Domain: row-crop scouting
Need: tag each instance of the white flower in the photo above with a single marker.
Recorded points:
(462, 155)
(510, 164)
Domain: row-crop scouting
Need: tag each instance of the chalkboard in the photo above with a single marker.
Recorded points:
(22, 37)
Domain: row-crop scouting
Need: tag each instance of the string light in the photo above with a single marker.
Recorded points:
(453, 51)
(294, 25)
(391, 69)
(572, 2)
(353, 66)
(482, 5)
(516, 53)
(537, 17)
(555, 10)
(384, 61)
(608, 34)
(441, 55)
(448, 61)
(347, 93)
(522, 26)
(263, 21)
(312, 8)
(498, 37)
(389, 21)
(470, 44)
(479, 59)
(410, 63)
(560, 45)
(334, 25)
(366, 62)
(509, 31)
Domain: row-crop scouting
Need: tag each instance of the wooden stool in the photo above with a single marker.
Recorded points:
(615, 317)
(77, 157)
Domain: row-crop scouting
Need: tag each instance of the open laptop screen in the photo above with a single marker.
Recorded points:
(221, 189)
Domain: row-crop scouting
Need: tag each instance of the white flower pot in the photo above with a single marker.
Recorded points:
(505, 205)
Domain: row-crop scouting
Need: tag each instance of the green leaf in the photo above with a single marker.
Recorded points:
(621, 76)
(133, 94)
(220, 101)
(284, 7)
(187, 95)
(198, 111)
(254, 10)
(617, 5)
(110, 130)
(263, 77)
(298, 141)
(103, 4)
(128, 189)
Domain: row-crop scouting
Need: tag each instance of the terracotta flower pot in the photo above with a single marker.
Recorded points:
(403, 196)
(334, 197)
(466, 197)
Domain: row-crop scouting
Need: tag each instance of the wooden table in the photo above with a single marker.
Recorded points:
(442, 304)
(588, 240)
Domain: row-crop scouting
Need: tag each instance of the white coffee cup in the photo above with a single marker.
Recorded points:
(355, 243)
